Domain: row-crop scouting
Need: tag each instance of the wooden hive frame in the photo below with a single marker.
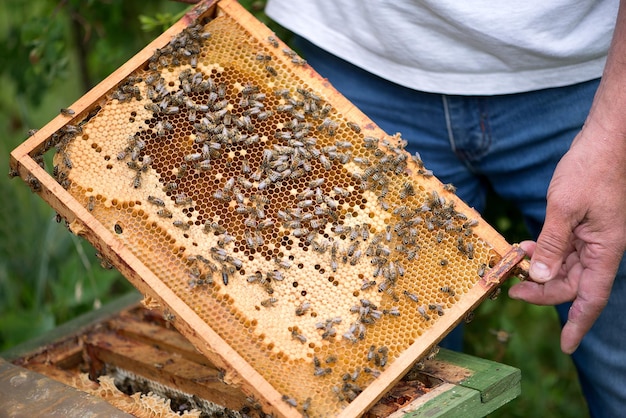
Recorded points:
(24, 162)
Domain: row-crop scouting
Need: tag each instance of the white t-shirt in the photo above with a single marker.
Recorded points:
(469, 47)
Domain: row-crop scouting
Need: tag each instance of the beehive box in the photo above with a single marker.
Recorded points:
(130, 358)
(290, 239)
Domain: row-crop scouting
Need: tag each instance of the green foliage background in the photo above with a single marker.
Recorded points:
(51, 53)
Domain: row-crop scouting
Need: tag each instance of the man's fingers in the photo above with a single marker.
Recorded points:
(551, 293)
(528, 247)
(553, 244)
(593, 294)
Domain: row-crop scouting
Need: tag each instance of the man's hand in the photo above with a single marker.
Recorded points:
(584, 235)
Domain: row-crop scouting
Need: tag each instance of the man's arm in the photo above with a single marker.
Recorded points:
(584, 235)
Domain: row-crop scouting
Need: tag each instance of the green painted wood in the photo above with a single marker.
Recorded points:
(72, 327)
(462, 402)
(489, 378)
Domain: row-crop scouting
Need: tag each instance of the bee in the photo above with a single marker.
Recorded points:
(286, 264)
(271, 70)
(436, 307)
(168, 316)
(383, 251)
(182, 199)
(470, 224)
(333, 264)
(164, 213)
(91, 203)
(220, 195)
(303, 308)
(481, 270)
(494, 295)
(118, 228)
(160, 128)
(448, 290)
(354, 233)
(121, 155)
(352, 249)
(411, 296)
(370, 142)
(365, 232)
(422, 312)
(171, 110)
(394, 311)
(256, 277)
(355, 127)
(288, 52)
(470, 250)
(181, 224)
(297, 336)
(170, 187)
(384, 352)
(66, 160)
(432, 353)
(67, 112)
(229, 185)
(73, 129)
(269, 302)
(331, 359)
(371, 353)
(221, 90)
(196, 156)
(325, 124)
(388, 233)
(355, 258)
(147, 160)
(449, 187)
(276, 275)
(319, 371)
(407, 190)
(371, 371)
(331, 203)
(290, 401)
(137, 180)
(349, 335)
(368, 284)
(152, 107)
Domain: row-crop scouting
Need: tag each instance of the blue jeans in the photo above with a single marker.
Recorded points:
(513, 143)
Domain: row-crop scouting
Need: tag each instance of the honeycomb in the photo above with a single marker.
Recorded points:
(316, 251)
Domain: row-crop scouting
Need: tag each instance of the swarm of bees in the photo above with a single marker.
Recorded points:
(265, 172)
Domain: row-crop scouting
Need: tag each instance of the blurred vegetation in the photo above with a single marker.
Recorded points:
(52, 52)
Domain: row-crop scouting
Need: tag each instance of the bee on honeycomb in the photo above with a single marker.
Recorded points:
(290, 229)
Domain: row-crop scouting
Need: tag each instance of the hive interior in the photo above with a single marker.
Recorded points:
(316, 251)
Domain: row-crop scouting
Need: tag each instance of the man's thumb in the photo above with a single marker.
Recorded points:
(553, 244)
